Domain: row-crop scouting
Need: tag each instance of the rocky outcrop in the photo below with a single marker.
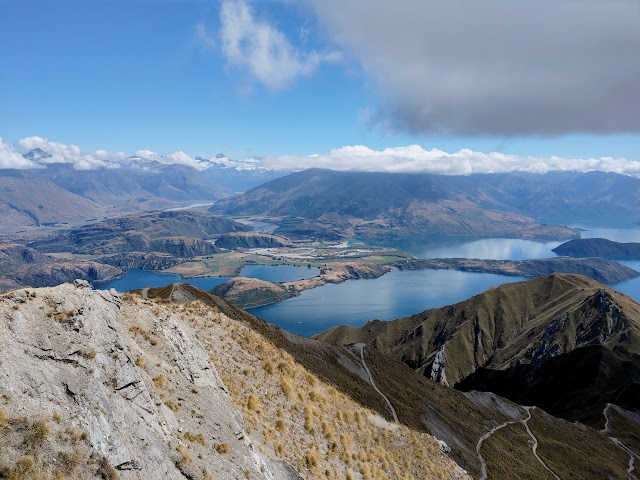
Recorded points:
(70, 353)
(252, 292)
(251, 240)
(12, 254)
(57, 272)
(24, 266)
(143, 261)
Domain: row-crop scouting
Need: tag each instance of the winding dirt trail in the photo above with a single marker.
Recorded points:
(373, 384)
(534, 448)
(483, 464)
(633, 456)
(535, 442)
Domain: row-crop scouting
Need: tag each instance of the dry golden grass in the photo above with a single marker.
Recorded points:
(291, 414)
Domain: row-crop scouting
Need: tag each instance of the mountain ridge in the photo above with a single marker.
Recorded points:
(506, 325)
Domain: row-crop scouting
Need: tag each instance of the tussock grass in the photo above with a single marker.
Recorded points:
(292, 414)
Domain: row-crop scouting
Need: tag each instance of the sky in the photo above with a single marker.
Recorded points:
(348, 84)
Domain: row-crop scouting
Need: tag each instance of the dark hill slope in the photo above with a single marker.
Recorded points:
(576, 385)
(599, 247)
(523, 322)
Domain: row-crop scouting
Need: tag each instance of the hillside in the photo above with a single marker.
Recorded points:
(329, 204)
(26, 199)
(60, 194)
(599, 247)
(24, 266)
(514, 324)
(251, 240)
(284, 405)
(175, 232)
(577, 385)
(87, 374)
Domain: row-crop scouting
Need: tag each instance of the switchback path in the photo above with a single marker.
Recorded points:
(633, 456)
(373, 384)
(524, 421)
(535, 442)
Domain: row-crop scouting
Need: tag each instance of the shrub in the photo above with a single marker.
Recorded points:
(222, 448)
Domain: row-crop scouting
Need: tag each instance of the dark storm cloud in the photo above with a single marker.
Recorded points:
(496, 67)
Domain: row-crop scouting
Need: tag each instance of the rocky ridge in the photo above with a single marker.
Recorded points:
(522, 322)
(135, 379)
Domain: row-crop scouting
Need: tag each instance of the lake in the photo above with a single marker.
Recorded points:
(395, 294)
(399, 294)
(136, 278)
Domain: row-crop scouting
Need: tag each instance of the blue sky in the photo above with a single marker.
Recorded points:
(125, 76)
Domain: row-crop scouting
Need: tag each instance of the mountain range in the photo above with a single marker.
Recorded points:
(58, 193)
(327, 203)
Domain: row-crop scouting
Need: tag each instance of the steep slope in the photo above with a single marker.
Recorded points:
(599, 247)
(461, 420)
(577, 385)
(157, 389)
(380, 204)
(516, 323)
(28, 200)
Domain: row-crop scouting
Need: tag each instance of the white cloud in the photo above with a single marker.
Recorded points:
(415, 159)
(407, 159)
(255, 46)
(9, 158)
(181, 158)
(495, 67)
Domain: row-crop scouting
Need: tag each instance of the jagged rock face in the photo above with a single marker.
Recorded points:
(144, 261)
(71, 351)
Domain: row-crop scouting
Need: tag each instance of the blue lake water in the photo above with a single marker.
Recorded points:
(279, 273)
(399, 294)
(395, 294)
